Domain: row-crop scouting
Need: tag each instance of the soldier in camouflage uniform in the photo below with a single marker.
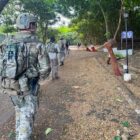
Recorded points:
(23, 61)
(61, 56)
(53, 50)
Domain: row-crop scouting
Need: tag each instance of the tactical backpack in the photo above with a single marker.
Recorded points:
(51, 48)
(15, 61)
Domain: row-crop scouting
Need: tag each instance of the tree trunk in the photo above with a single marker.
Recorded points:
(106, 21)
(45, 33)
(2, 4)
(108, 45)
(119, 22)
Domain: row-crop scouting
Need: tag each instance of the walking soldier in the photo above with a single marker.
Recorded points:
(23, 61)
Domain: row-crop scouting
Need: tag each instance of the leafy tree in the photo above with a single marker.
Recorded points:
(94, 20)
(10, 13)
(44, 10)
(7, 29)
(52, 32)
(68, 33)
(100, 12)
(133, 9)
(94, 16)
(2, 4)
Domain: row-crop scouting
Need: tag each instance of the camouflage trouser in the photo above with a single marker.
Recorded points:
(67, 51)
(61, 57)
(25, 103)
(25, 112)
(54, 68)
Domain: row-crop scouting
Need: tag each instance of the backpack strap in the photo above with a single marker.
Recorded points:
(26, 50)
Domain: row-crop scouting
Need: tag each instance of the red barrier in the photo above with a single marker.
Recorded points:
(91, 49)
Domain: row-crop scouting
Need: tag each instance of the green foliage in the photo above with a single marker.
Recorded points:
(9, 14)
(91, 16)
(64, 29)
(107, 34)
(2, 4)
(125, 124)
(94, 17)
(93, 20)
(69, 34)
(43, 9)
(48, 130)
(7, 29)
(117, 138)
(66, 32)
(11, 135)
(88, 30)
(130, 4)
(52, 32)
(119, 56)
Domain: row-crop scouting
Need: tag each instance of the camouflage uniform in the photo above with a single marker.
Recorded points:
(67, 51)
(24, 89)
(61, 55)
(53, 50)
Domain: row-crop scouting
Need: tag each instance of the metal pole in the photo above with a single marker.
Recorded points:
(126, 46)
(121, 43)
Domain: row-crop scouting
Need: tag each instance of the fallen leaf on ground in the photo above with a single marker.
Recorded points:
(76, 87)
(48, 130)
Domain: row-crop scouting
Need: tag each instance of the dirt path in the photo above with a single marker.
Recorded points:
(6, 108)
(84, 104)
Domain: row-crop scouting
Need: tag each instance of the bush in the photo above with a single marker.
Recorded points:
(7, 29)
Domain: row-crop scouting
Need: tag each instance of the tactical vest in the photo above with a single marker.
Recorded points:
(51, 48)
(62, 46)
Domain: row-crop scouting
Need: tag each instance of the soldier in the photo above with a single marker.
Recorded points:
(23, 61)
(67, 47)
(53, 50)
(62, 45)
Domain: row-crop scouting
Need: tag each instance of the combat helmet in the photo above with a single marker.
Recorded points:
(24, 20)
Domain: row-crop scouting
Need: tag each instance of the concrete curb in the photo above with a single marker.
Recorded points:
(130, 67)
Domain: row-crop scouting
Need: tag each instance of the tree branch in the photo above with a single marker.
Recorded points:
(119, 22)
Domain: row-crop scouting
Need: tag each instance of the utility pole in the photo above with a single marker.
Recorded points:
(125, 15)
